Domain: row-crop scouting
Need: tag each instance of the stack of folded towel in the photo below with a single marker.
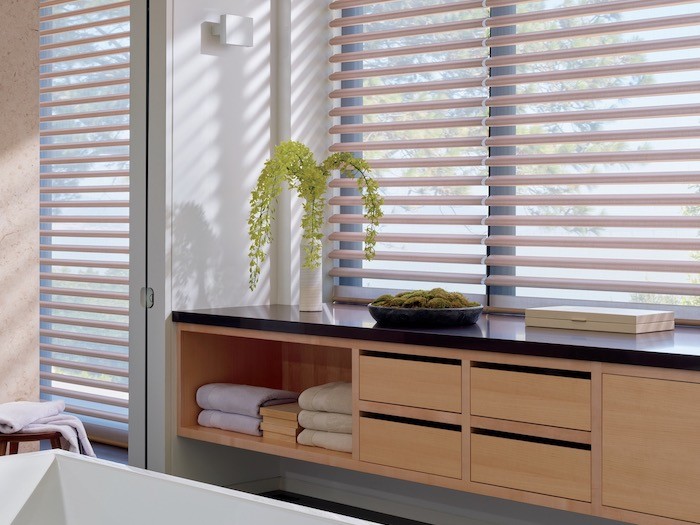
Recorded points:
(326, 417)
(237, 407)
(30, 416)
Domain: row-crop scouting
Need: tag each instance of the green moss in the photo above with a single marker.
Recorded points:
(435, 298)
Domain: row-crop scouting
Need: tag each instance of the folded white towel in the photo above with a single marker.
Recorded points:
(73, 435)
(241, 399)
(326, 421)
(331, 397)
(329, 440)
(16, 415)
(232, 422)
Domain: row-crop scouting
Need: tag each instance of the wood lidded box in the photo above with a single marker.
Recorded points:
(620, 320)
(281, 422)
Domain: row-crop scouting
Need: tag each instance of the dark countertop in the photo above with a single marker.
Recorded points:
(679, 348)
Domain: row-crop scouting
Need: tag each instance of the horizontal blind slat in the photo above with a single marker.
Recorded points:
(609, 28)
(85, 233)
(409, 238)
(404, 13)
(429, 29)
(82, 381)
(84, 278)
(349, 218)
(99, 369)
(461, 142)
(84, 352)
(411, 182)
(403, 275)
(447, 65)
(593, 284)
(407, 88)
(84, 11)
(85, 396)
(88, 338)
(407, 125)
(87, 25)
(595, 51)
(408, 256)
(625, 243)
(611, 6)
(674, 110)
(413, 200)
(669, 177)
(85, 308)
(82, 41)
(431, 105)
(597, 264)
(608, 221)
(78, 292)
(406, 50)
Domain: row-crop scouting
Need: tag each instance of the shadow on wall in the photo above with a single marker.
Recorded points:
(221, 138)
(198, 282)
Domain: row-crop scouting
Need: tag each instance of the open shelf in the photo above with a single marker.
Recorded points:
(258, 444)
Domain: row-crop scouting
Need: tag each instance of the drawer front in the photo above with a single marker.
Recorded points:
(437, 386)
(534, 467)
(531, 398)
(412, 447)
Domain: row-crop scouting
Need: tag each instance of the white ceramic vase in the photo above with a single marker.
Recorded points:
(310, 288)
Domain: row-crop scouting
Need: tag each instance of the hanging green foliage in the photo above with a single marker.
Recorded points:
(294, 163)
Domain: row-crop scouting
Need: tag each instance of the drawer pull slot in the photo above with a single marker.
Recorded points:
(411, 421)
(531, 439)
(409, 357)
(533, 370)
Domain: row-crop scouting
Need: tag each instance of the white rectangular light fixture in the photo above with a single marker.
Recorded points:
(234, 30)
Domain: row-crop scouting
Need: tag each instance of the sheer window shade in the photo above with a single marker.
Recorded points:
(419, 111)
(85, 210)
(593, 146)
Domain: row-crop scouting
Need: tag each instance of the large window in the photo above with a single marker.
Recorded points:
(535, 152)
(85, 210)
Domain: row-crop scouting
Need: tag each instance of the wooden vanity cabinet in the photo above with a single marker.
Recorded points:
(651, 446)
(609, 440)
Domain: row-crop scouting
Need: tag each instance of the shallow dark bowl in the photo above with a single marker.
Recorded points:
(434, 317)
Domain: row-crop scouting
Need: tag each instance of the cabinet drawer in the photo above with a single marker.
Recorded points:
(410, 446)
(433, 385)
(539, 398)
(535, 467)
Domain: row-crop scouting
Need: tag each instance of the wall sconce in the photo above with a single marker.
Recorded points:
(234, 30)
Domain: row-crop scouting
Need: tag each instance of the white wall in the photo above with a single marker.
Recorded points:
(221, 136)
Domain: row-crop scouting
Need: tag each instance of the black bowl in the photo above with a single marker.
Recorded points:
(433, 317)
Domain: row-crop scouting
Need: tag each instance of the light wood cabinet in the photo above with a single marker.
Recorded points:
(545, 468)
(401, 381)
(412, 446)
(545, 397)
(614, 441)
(651, 446)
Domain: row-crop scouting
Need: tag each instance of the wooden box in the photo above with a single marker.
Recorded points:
(280, 422)
(620, 320)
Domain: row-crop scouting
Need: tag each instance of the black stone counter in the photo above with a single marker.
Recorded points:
(679, 348)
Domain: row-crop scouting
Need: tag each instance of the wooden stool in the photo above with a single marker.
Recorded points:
(14, 440)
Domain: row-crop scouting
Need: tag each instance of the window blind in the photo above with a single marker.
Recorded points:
(590, 145)
(418, 106)
(84, 211)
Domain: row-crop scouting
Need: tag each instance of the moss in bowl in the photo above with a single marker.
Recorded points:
(436, 307)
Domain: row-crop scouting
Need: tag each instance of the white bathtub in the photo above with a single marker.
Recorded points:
(57, 487)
